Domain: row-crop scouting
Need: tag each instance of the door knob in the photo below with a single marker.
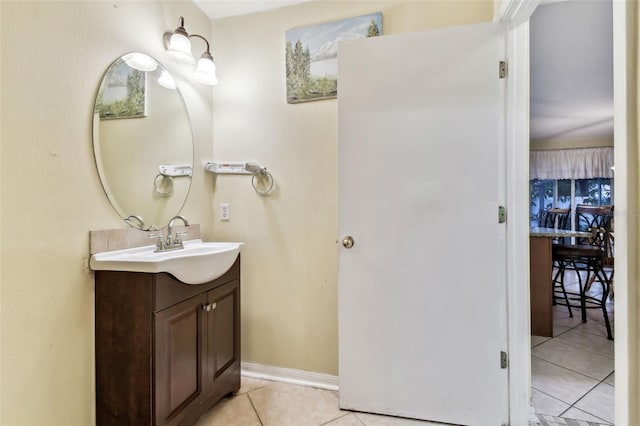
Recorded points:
(347, 241)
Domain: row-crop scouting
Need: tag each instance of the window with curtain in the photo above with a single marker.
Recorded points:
(566, 178)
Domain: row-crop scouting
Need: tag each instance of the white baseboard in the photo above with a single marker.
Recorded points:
(289, 375)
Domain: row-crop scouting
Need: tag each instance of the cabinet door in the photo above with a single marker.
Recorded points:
(223, 330)
(179, 355)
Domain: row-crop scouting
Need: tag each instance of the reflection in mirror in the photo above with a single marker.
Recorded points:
(142, 141)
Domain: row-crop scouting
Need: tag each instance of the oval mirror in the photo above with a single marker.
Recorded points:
(142, 141)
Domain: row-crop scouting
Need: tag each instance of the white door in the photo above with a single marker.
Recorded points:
(422, 292)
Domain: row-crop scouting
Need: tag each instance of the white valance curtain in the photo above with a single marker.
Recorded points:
(582, 163)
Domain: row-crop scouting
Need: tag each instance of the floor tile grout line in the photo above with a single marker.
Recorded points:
(359, 419)
(573, 371)
(585, 394)
(601, 322)
(586, 412)
(255, 409)
(333, 420)
(586, 350)
(554, 397)
(574, 346)
(541, 343)
(254, 389)
(560, 334)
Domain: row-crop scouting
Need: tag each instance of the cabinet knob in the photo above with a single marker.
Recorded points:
(209, 307)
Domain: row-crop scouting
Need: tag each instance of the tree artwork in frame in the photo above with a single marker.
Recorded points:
(312, 55)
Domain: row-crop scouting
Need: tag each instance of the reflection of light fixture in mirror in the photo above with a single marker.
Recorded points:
(167, 81)
(140, 62)
(178, 47)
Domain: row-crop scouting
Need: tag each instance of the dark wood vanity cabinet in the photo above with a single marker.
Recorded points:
(166, 351)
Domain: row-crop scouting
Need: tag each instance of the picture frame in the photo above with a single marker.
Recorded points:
(311, 55)
(123, 94)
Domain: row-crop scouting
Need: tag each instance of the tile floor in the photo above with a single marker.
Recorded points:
(572, 373)
(265, 403)
(572, 380)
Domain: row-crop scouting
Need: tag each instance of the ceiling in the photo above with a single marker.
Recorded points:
(571, 63)
(217, 9)
(572, 70)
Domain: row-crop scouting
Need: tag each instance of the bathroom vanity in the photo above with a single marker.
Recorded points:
(166, 351)
(167, 324)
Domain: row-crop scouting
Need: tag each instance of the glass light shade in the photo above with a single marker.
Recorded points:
(205, 72)
(180, 48)
(167, 81)
(140, 62)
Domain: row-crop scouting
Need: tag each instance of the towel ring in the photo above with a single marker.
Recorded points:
(157, 183)
(261, 174)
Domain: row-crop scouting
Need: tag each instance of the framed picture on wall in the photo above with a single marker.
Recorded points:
(124, 95)
(311, 55)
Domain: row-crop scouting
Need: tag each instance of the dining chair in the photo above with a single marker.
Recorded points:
(587, 255)
(556, 218)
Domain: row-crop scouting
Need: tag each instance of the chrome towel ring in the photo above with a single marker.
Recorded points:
(262, 181)
(163, 185)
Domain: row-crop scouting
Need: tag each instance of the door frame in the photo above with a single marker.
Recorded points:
(515, 15)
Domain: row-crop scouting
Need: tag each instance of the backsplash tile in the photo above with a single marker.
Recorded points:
(116, 239)
(99, 241)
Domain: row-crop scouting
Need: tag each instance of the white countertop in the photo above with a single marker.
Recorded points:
(556, 233)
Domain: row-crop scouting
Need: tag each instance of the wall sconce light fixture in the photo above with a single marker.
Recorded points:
(178, 46)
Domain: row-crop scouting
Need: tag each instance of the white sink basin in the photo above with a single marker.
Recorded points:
(197, 263)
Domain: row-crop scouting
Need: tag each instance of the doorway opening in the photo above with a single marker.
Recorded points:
(571, 128)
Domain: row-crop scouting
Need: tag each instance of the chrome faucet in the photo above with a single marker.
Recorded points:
(170, 227)
(171, 241)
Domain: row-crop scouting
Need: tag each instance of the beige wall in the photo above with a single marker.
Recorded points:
(289, 273)
(53, 57)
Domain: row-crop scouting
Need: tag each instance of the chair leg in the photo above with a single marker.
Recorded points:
(590, 281)
(604, 280)
(560, 275)
(564, 291)
(583, 301)
(554, 280)
(611, 289)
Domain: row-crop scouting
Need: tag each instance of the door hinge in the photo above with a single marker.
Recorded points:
(504, 359)
(502, 214)
(502, 69)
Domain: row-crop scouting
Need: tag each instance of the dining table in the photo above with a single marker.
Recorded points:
(541, 276)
